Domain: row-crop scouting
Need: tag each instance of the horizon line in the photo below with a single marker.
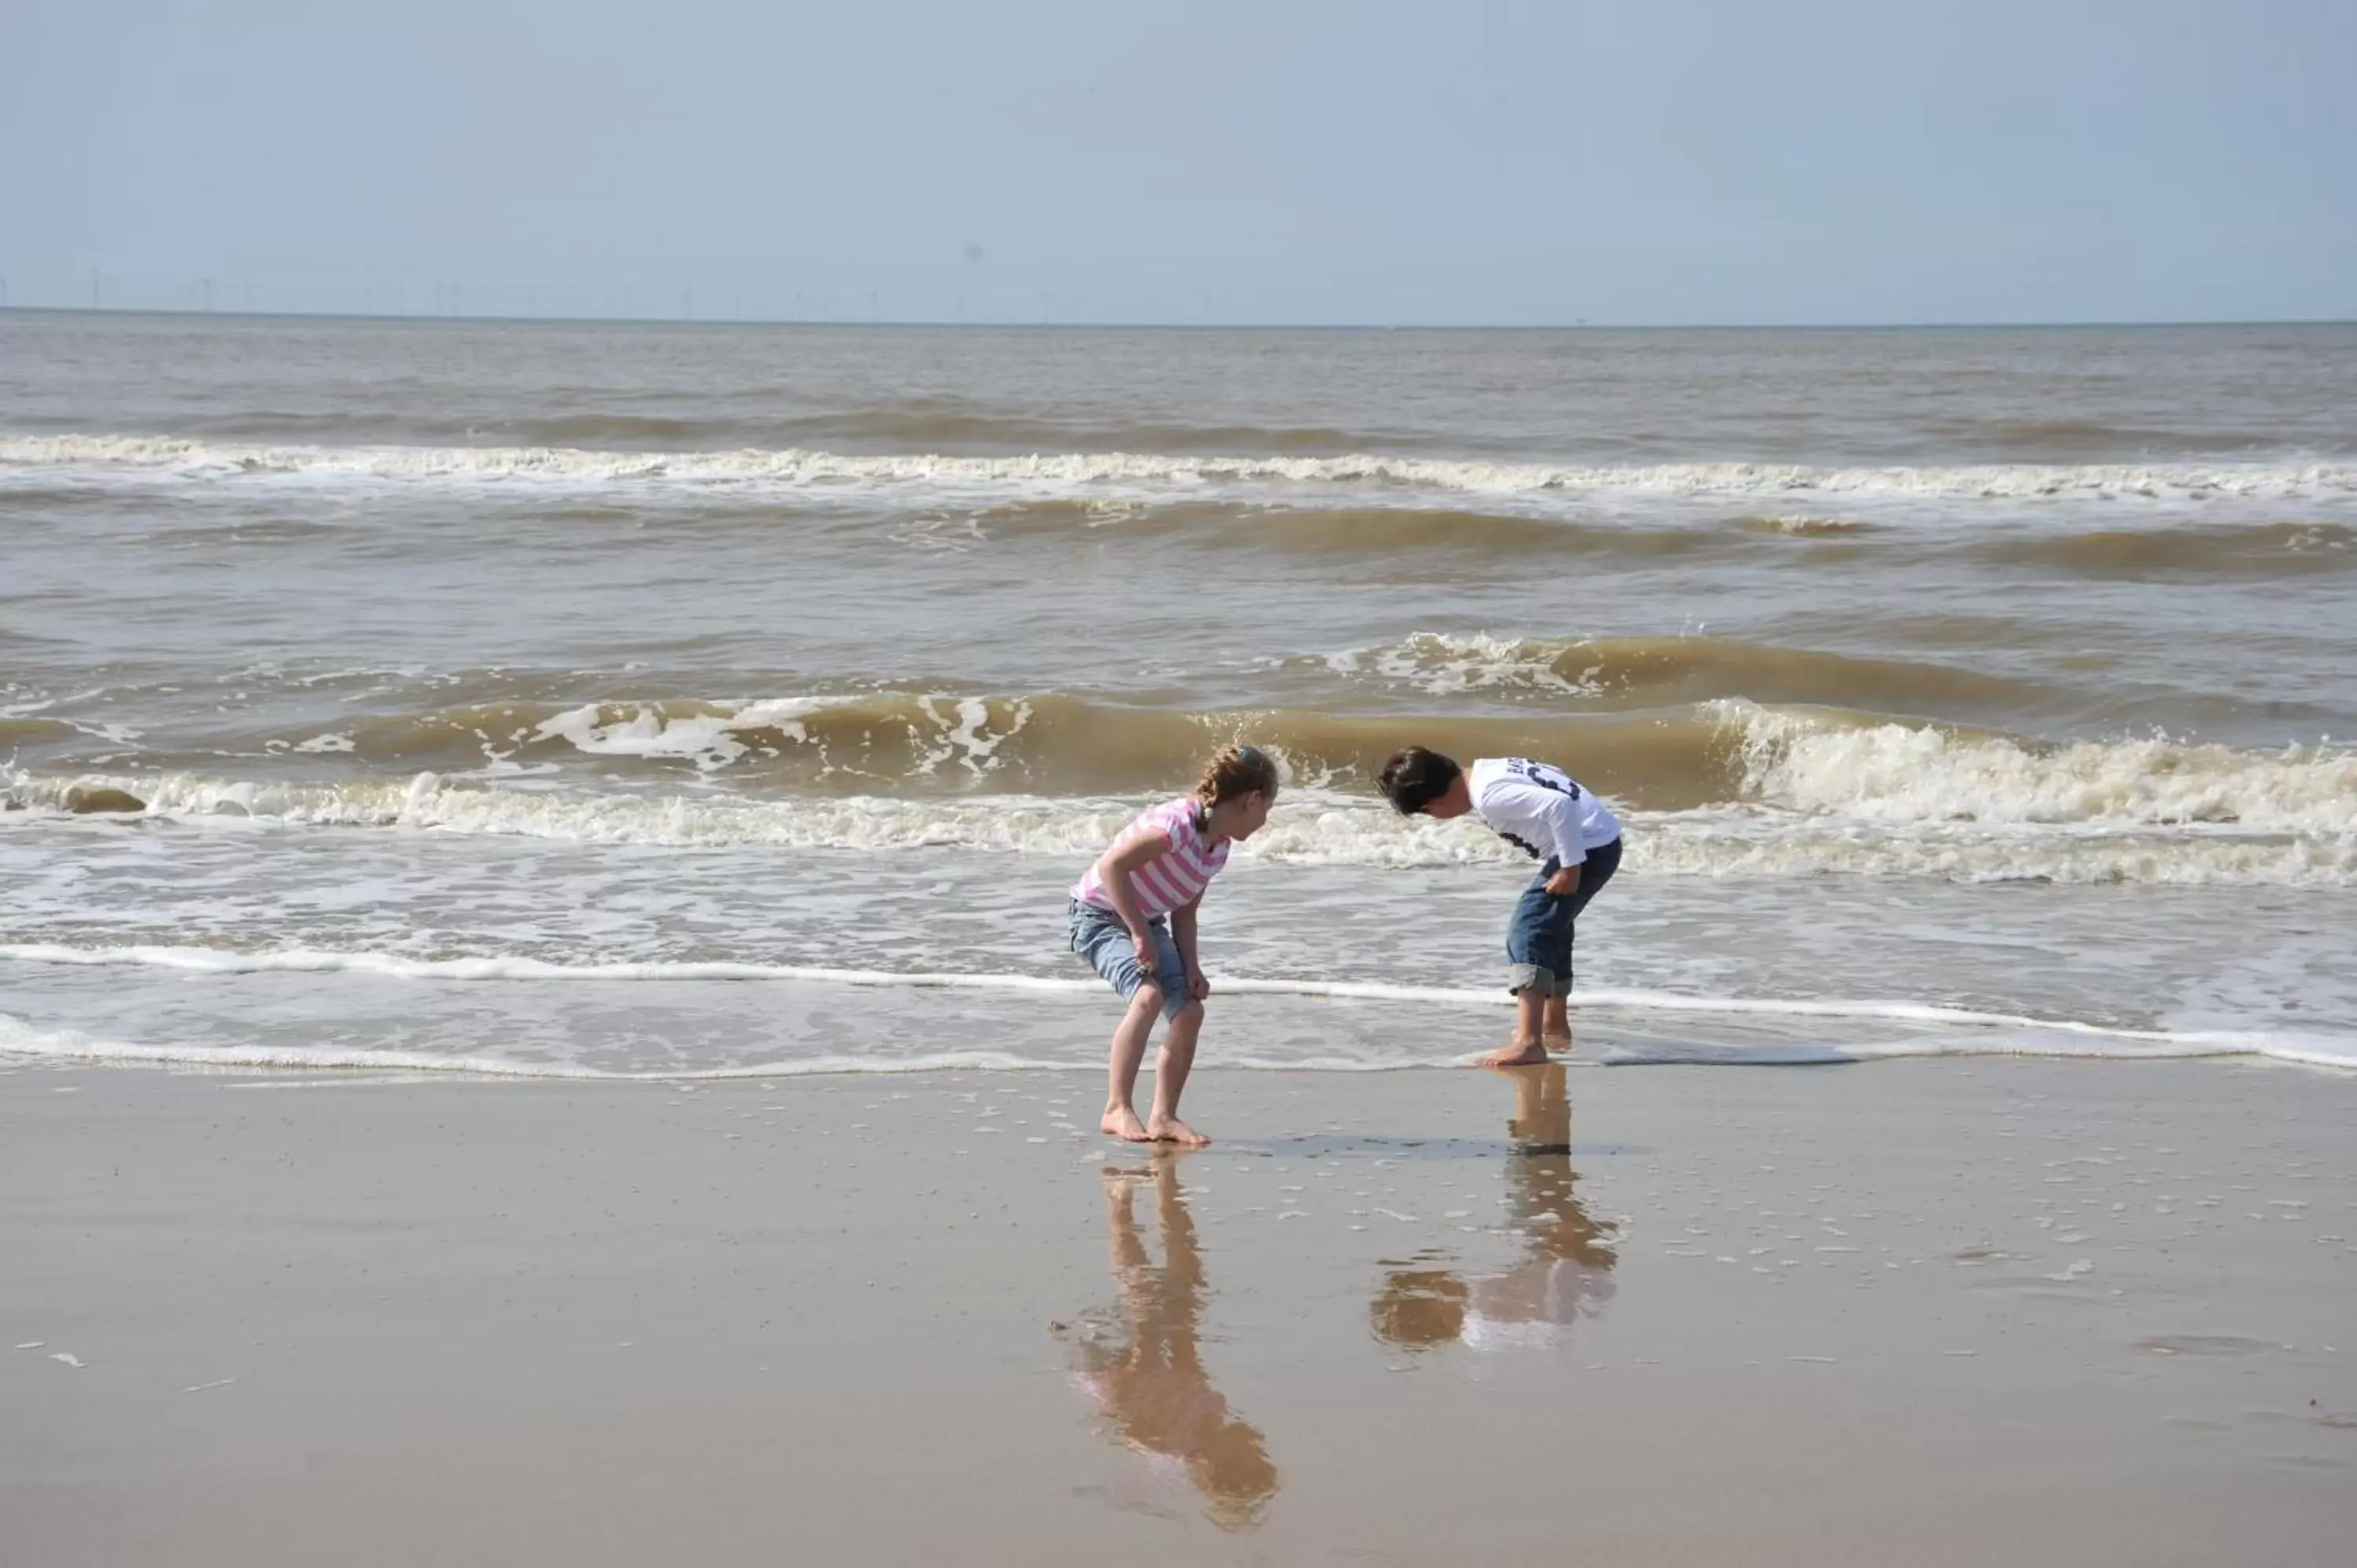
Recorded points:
(916, 322)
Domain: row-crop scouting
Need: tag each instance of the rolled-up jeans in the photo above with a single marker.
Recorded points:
(1538, 939)
(1099, 936)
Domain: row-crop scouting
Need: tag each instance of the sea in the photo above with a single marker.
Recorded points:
(678, 701)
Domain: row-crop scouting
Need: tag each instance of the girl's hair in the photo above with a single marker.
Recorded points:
(1236, 770)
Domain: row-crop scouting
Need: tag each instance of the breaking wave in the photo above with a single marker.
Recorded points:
(796, 467)
(2258, 549)
(1807, 797)
(1666, 671)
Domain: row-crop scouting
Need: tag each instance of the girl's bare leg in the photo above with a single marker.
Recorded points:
(1129, 1038)
(1171, 1070)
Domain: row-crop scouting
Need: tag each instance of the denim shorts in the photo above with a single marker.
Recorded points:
(1099, 937)
(1539, 937)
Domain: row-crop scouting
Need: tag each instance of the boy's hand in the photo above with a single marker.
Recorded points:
(1199, 984)
(1563, 882)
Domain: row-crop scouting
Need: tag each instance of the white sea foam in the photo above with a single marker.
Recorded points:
(1048, 473)
(710, 740)
(302, 961)
(1899, 1011)
(1446, 663)
(2298, 1050)
(944, 733)
(1985, 1034)
(1767, 841)
(20, 1040)
(429, 801)
(1901, 773)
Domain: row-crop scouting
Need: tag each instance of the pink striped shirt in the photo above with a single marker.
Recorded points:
(1167, 881)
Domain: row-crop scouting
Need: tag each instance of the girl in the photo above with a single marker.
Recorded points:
(1133, 921)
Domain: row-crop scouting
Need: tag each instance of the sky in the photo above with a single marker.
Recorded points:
(1613, 162)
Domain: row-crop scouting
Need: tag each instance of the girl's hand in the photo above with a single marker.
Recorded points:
(1148, 955)
(1199, 984)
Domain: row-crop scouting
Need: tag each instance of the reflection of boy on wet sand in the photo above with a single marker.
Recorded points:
(1565, 1272)
(1156, 1395)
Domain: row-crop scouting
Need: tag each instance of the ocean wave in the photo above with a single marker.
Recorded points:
(1311, 829)
(931, 424)
(951, 743)
(1773, 844)
(1880, 772)
(1621, 728)
(1049, 472)
(1730, 788)
(1671, 672)
(1268, 525)
(2064, 437)
(24, 729)
(2292, 547)
(1805, 527)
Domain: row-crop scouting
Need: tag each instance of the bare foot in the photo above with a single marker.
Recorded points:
(1170, 1130)
(1556, 1039)
(1520, 1053)
(1124, 1124)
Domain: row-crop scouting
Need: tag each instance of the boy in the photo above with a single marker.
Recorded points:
(1538, 809)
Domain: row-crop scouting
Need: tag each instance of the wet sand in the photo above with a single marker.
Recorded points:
(1922, 1313)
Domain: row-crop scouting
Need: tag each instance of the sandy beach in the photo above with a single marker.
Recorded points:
(613, 625)
(2031, 1312)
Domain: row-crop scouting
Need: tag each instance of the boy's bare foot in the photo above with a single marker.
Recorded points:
(1556, 1040)
(1170, 1130)
(1519, 1053)
(1124, 1124)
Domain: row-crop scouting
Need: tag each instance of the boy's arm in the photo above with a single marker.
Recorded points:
(1543, 820)
(1563, 826)
(1563, 822)
(1114, 868)
(1182, 932)
(1553, 819)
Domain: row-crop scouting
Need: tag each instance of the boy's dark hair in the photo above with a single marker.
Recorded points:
(1415, 777)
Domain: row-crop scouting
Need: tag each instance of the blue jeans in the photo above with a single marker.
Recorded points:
(1099, 937)
(1538, 938)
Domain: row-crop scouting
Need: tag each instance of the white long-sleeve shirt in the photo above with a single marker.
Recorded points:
(1537, 807)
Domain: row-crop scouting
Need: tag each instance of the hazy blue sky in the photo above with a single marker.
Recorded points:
(1634, 161)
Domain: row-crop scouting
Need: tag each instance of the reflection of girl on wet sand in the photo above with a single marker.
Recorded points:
(1565, 1272)
(1144, 1367)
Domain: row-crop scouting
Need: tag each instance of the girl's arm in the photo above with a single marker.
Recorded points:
(1113, 871)
(1182, 932)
